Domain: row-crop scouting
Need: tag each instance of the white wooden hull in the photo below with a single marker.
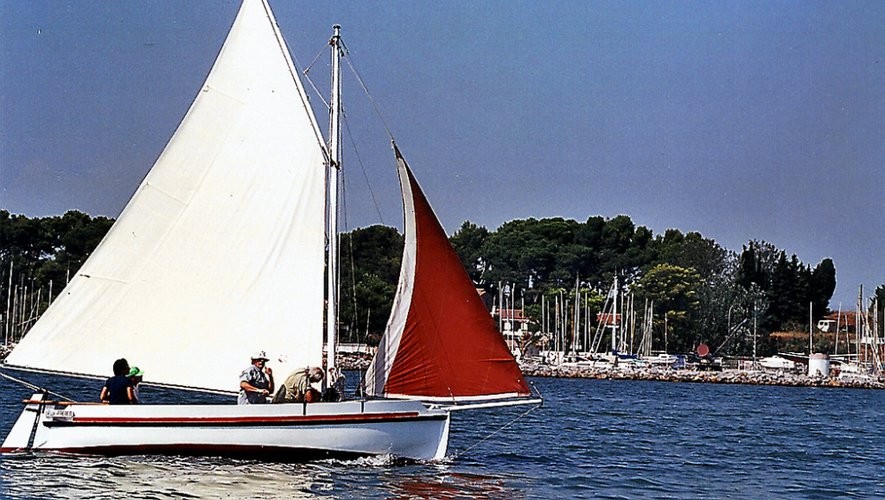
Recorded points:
(294, 432)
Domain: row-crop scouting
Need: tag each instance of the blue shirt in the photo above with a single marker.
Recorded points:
(258, 379)
(117, 389)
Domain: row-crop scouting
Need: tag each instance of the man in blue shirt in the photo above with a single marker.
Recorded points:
(256, 382)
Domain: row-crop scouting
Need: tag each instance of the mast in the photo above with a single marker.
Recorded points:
(838, 321)
(334, 165)
(754, 335)
(500, 307)
(614, 315)
(8, 317)
(810, 328)
(576, 328)
(857, 325)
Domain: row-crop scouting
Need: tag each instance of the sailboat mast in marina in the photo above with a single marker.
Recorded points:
(189, 283)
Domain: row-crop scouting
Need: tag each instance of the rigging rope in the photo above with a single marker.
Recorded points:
(506, 425)
(33, 387)
(362, 165)
(346, 122)
(359, 79)
(600, 328)
(307, 77)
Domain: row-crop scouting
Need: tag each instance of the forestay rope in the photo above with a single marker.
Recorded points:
(359, 79)
(506, 425)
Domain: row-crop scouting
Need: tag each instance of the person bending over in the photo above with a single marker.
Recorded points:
(297, 389)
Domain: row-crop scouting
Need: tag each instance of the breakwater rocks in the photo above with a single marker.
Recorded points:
(360, 361)
(757, 377)
(354, 360)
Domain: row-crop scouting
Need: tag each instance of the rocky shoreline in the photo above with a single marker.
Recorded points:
(752, 377)
(359, 361)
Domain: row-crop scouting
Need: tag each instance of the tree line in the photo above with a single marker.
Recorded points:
(37, 257)
(702, 292)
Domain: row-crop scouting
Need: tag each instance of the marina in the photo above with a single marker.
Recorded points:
(358, 361)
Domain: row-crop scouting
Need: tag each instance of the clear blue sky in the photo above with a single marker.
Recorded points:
(740, 120)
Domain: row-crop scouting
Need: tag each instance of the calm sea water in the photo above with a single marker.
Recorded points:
(606, 439)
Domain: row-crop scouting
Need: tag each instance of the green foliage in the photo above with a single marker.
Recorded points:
(878, 301)
(691, 251)
(42, 253)
(542, 250)
(370, 263)
(823, 284)
(702, 292)
(674, 291)
(468, 243)
(555, 252)
(790, 287)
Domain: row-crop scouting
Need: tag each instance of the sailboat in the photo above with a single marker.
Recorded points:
(221, 252)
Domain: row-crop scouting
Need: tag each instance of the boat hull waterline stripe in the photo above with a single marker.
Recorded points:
(264, 452)
(241, 421)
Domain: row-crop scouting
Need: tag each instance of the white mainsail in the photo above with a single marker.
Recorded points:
(220, 251)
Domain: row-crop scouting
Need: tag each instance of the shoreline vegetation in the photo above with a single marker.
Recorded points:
(360, 361)
(680, 288)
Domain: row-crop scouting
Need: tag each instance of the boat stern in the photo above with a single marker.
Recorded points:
(19, 437)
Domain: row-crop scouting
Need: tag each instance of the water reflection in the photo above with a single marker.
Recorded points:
(63, 476)
(448, 484)
(60, 476)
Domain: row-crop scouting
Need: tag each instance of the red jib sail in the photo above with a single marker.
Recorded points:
(440, 342)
